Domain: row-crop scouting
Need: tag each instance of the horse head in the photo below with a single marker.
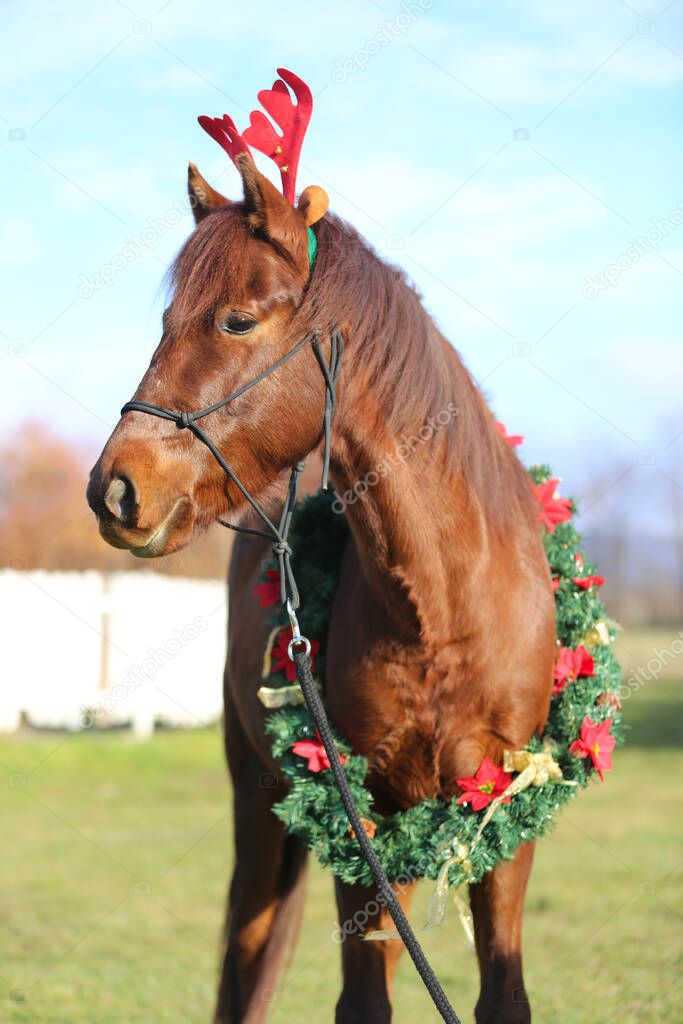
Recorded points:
(238, 285)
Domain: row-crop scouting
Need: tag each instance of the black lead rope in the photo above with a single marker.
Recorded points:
(299, 646)
(316, 707)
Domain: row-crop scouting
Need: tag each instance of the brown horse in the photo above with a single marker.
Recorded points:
(441, 641)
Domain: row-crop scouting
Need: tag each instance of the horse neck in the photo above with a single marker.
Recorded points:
(432, 519)
(416, 522)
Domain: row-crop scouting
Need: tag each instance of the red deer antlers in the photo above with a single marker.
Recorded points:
(291, 119)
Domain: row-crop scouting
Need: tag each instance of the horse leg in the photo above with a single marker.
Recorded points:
(497, 906)
(368, 967)
(267, 890)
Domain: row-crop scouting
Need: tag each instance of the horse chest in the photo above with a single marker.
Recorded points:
(402, 715)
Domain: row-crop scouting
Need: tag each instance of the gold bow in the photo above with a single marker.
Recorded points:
(535, 769)
(598, 635)
(544, 766)
(279, 696)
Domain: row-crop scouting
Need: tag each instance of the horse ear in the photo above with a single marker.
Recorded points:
(269, 212)
(203, 199)
(313, 203)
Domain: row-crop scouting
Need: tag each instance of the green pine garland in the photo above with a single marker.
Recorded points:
(418, 841)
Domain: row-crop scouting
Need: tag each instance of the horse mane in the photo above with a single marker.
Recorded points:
(414, 371)
(392, 342)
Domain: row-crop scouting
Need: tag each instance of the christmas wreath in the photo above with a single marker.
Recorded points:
(499, 807)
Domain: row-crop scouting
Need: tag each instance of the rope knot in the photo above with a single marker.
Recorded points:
(281, 547)
(184, 420)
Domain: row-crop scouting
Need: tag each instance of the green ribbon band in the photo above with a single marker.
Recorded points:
(312, 248)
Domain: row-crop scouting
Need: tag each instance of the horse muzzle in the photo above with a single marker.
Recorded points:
(137, 514)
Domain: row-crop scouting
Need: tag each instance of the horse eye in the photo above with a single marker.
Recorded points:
(238, 323)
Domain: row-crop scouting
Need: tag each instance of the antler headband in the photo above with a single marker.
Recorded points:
(291, 119)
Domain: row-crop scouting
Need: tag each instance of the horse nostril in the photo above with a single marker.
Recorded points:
(120, 498)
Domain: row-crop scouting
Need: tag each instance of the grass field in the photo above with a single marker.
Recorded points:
(115, 859)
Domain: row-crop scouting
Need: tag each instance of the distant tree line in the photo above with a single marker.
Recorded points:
(45, 523)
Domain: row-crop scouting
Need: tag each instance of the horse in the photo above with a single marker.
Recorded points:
(441, 640)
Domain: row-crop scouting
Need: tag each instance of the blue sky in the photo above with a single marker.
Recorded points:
(507, 156)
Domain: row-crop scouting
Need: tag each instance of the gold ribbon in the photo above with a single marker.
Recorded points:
(535, 769)
(268, 653)
(438, 903)
(276, 696)
(280, 696)
(436, 911)
(273, 697)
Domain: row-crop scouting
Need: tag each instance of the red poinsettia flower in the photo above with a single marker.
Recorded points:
(552, 508)
(512, 439)
(570, 665)
(280, 659)
(555, 583)
(268, 592)
(480, 789)
(315, 753)
(586, 582)
(595, 742)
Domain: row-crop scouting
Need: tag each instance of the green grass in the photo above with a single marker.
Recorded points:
(116, 854)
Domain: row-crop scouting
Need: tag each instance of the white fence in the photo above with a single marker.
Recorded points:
(86, 648)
